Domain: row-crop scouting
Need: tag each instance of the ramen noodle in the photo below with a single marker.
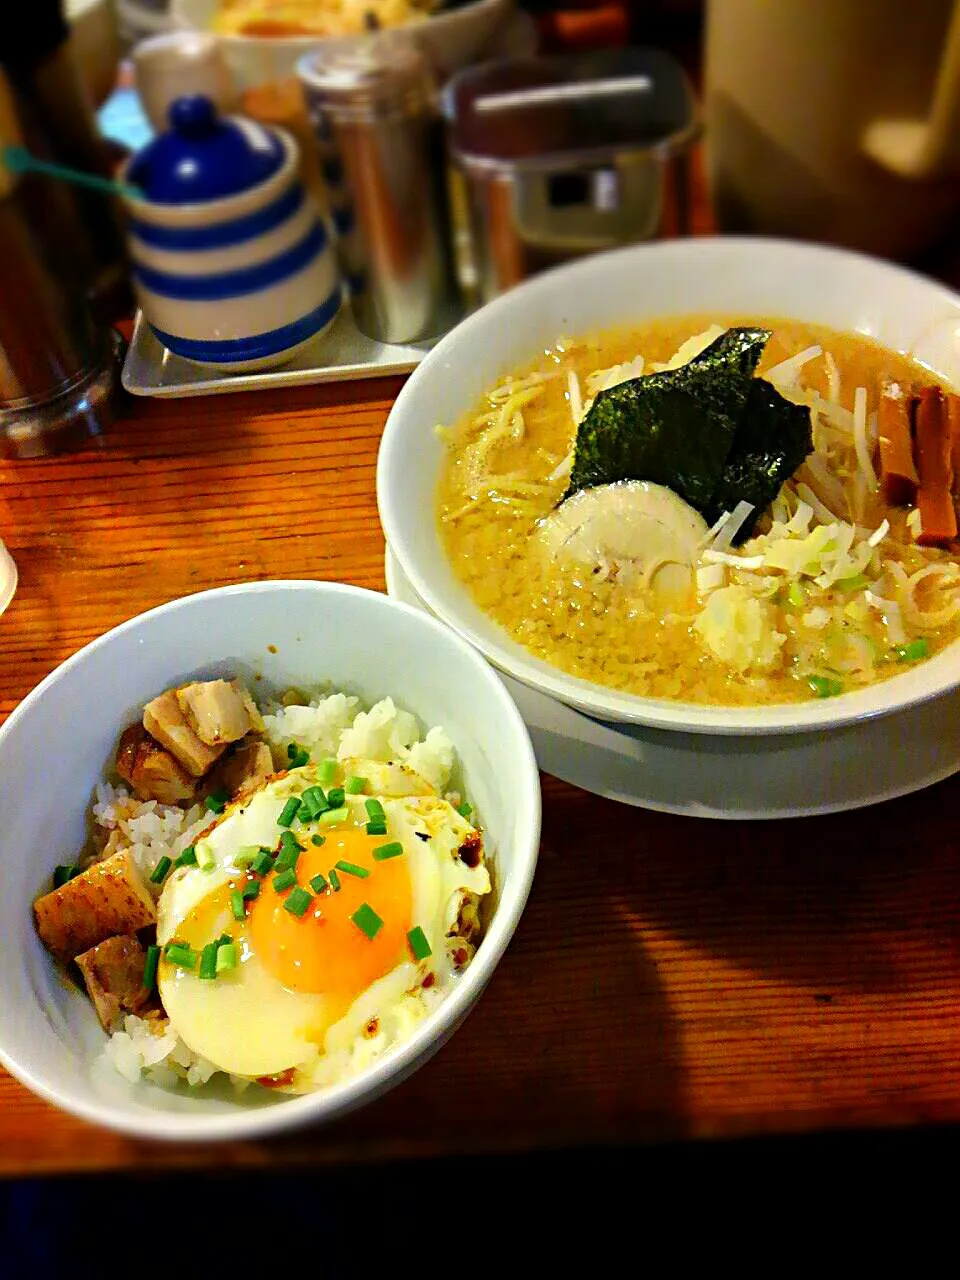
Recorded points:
(833, 589)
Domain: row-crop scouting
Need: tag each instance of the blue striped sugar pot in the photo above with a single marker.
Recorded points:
(232, 262)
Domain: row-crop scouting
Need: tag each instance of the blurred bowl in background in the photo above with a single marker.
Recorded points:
(450, 39)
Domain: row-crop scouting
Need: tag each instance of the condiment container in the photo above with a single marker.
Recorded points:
(568, 155)
(59, 365)
(381, 140)
(175, 64)
(233, 266)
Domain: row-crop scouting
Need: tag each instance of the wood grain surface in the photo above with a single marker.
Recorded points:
(671, 977)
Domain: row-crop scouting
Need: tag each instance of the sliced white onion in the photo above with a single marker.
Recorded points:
(786, 371)
(574, 396)
(731, 526)
(879, 533)
(712, 556)
(860, 441)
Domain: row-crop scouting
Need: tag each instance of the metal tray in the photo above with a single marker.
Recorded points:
(340, 354)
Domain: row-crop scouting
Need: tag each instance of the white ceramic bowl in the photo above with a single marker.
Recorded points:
(451, 40)
(68, 727)
(768, 278)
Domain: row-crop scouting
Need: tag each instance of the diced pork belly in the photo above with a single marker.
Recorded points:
(242, 770)
(110, 897)
(218, 711)
(163, 720)
(151, 770)
(113, 974)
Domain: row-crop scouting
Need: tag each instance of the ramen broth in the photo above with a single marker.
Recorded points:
(503, 474)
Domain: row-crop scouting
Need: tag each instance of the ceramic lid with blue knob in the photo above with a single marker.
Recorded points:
(204, 156)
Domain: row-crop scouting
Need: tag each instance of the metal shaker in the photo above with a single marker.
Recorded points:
(382, 151)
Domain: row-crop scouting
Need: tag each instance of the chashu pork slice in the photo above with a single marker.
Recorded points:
(152, 771)
(164, 720)
(218, 711)
(112, 972)
(636, 530)
(110, 897)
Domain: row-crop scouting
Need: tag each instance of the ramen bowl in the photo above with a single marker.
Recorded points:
(451, 39)
(278, 635)
(806, 283)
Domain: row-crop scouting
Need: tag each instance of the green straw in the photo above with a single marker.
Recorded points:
(19, 160)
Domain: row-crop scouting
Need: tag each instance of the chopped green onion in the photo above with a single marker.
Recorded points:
(228, 957)
(208, 961)
(824, 687)
(285, 880)
(318, 883)
(465, 809)
(150, 967)
(853, 583)
(334, 879)
(289, 853)
(289, 811)
(419, 946)
(335, 797)
(181, 955)
(375, 810)
(297, 756)
(351, 869)
(385, 851)
(237, 904)
(245, 856)
(216, 801)
(314, 801)
(796, 595)
(318, 840)
(251, 890)
(206, 860)
(332, 817)
(224, 939)
(355, 785)
(188, 858)
(327, 771)
(159, 872)
(913, 651)
(307, 812)
(262, 863)
(376, 828)
(298, 901)
(66, 871)
(367, 920)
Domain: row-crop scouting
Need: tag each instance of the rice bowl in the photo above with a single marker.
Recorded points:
(50, 1039)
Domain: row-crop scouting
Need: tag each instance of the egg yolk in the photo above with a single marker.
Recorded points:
(324, 950)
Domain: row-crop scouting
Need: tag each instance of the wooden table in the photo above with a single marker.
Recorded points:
(671, 978)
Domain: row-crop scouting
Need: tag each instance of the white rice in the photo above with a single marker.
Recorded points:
(335, 725)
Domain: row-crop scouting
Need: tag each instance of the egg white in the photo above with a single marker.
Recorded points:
(248, 1023)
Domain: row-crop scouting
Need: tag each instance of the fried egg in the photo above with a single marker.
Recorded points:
(338, 960)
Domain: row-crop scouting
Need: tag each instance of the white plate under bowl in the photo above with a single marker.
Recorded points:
(710, 776)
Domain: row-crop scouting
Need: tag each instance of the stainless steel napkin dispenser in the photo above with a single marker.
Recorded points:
(564, 156)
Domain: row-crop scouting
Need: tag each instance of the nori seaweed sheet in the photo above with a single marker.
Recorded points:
(710, 431)
(773, 438)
